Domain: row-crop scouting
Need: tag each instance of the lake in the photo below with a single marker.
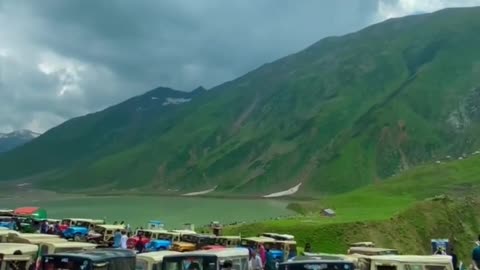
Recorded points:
(173, 211)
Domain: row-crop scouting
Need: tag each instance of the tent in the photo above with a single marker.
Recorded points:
(36, 213)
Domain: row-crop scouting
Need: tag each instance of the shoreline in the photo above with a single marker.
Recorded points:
(41, 194)
(206, 196)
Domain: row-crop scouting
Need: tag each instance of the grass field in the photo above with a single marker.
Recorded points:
(404, 212)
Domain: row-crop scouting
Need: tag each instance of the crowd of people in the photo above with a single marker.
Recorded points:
(261, 259)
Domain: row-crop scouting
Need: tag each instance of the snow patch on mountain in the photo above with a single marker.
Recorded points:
(16, 138)
(175, 101)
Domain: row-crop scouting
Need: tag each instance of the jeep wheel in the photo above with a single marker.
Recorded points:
(77, 237)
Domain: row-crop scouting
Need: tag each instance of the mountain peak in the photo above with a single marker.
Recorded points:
(199, 89)
(20, 133)
(25, 132)
(16, 138)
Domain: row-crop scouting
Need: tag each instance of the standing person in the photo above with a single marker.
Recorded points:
(270, 264)
(44, 227)
(123, 240)
(117, 239)
(451, 252)
(255, 262)
(227, 265)
(64, 226)
(308, 248)
(476, 257)
(56, 228)
(263, 254)
(140, 245)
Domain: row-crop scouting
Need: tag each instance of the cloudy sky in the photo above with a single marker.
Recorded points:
(65, 58)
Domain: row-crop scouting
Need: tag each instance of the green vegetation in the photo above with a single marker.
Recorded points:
(409, 231)
(344, 113)
(432, 201)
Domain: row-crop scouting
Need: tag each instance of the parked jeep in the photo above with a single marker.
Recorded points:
(78, 228)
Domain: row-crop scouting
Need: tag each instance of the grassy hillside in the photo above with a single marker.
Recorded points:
(345, 112)
(410, 231)
(403, 213)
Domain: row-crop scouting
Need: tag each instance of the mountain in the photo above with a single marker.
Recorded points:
(345, 112)
(8, 141)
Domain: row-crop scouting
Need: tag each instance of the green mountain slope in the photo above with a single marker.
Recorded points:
(84, 139)
(343, 113)
(403, 212)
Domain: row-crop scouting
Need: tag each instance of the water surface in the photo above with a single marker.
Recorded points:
(173, 211)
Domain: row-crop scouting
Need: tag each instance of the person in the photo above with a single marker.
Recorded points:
(440, 251)
(255, 262)
(123, 240)
(44, 227)
(476, 257)
(117, 239)
(263, 254)
(451, 252)
(270, 264)
(194, 266)
(64, 226)
(308, 248)
(292, 251)
(115, 222)
(140, 245)
(122, 222)
(51, 229)
(227, 265)
(56, 228)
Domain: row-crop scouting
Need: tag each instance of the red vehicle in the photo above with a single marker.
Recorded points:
(147, 235)
(213, 247)
(63, 227)
(132, 241)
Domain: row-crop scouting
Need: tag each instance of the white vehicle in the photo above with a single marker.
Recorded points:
(207, 259)
(405, 262)
(17, 256)
(152, 260)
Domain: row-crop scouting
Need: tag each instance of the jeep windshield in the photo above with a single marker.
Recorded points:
(99, 230)
(82, 224)
(165, 236)
(189, 238)
(196, 262)
(317, 266)
(13, 264)
(144, 233)
(195, 239)
(65, 262)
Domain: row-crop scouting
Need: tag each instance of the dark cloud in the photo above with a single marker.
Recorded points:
(60, 59)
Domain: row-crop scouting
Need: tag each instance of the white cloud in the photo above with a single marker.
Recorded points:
(60, 60)
(3, 52)
(67, 72)
(387, 9)
(41, 120)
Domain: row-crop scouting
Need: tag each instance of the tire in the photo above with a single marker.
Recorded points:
(77, 237)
